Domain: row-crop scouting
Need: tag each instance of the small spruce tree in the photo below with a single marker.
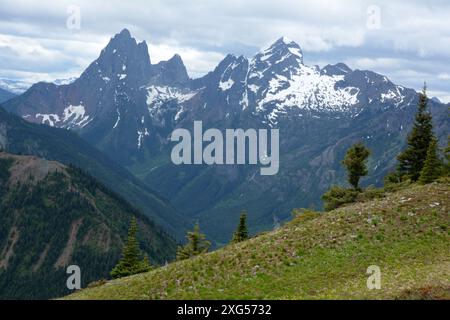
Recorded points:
(197, 244)
(241, 233)
(447, 158)
(355, 162)
(131, 262)
(411, 160)
(432, 167)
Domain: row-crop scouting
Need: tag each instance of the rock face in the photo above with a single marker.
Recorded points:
(128, 108)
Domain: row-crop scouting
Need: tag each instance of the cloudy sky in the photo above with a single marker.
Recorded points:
(409, 41)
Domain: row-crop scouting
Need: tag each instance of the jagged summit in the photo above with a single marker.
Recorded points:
(336, 69)
(171, 72)
(123, 59)
(282, 49)
(123, 40)
(124, 33)
(129, 61)
(285, 41)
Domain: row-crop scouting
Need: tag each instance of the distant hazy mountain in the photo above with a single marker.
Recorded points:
(19, 87)
(53, 216)
(61, 82)
(128, 107)
(5, 95)
(14, 86)
(436, 99)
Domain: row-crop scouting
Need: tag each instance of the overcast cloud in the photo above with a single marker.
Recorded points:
(410, 42)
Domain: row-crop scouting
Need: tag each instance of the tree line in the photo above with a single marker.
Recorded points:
(420, 162)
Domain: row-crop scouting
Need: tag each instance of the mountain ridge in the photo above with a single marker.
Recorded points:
(53, 216)
(319, 111)
(5, 95)
(19, 136)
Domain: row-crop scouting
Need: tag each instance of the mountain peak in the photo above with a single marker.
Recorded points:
(122, 39)
(281, 49)
(176, 59)
(336, 69)
(170, 72)
(122, 59)
(284, 40)
(125, 32)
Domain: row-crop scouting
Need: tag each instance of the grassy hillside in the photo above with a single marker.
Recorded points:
(406, 234)
(52, 216)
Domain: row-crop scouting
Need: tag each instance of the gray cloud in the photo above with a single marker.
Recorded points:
(411, 45)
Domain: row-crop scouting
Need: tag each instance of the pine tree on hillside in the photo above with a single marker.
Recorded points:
(411, 160)
(197, 244)
(432, 167)
(447, 157)
(241, 233)
(131, 262)
(355, 162)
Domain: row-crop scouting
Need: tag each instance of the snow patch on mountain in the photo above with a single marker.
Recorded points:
(253, 88)
(72, 117)
(74, 113)
(178, 115)
(75, 116)
(62, 82)
(48, 119)
(141, 134)
(307, 89)
(157, 96)
(393, 96)
(118, 119)
(296, 52)
(226, 85)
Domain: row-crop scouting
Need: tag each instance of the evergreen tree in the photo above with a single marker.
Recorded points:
(197, 244)
(241, 233)
(411, 160)
(130, 262)
(432, 167)
(392, 178)
(447, 157)
(355, 162)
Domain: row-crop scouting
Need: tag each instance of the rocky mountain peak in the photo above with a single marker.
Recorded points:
(336, 69)
(281, 50)
(123, 59)
(125, 33)
(171, 72)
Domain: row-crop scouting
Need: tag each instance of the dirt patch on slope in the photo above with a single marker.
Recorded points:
(8, 250)
(30, 168)
(66, 255)
(42, 257)
(99, 236)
